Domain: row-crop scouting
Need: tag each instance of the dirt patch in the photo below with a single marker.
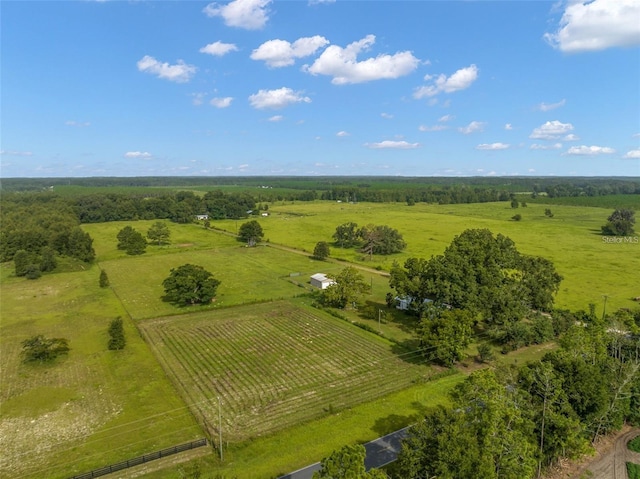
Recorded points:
(184, 245)
(608, 461)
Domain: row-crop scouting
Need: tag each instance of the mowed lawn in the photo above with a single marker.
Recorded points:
(91, 408)
(274, 365)
(571, 239)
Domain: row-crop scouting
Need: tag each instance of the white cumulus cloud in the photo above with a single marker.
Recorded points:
(492, 146)
(218, 48)
(446, 118)
(342, 133)
(460, 80)
(221, 102)
(279, 98)
(276, 118)
(247, 14)
(15, 153)
(281, 53)
(433, 128)
(343, 66)
(472, 127)
(77, 123)
(179, 73)
(139, 155)
(388, 116)
(590, 150)
(633, 154)
(508, 126)
(386, 144)
(550, 106)
(538, 146)
(551, 130)
(597, 25)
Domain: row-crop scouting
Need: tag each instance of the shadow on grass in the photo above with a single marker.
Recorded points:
(393, 422)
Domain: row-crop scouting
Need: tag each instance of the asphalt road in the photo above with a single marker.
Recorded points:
(380, 452)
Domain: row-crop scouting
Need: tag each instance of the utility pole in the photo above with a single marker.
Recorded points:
(379, 327)
(604, 308)
(220, 427)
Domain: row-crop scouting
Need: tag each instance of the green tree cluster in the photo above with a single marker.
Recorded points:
(512, 423)
(131, 241)
(483, 274)
(346, 290)
(159, 233)
(620, 223)
(347, 463)
(250, 233)
(190, 284)
(42, 349)
(117, 340)
(370, 239)
(321, 250)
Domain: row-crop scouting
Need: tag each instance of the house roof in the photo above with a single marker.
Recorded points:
(320, 277)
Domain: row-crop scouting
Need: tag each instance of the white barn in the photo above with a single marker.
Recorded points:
(320, 280)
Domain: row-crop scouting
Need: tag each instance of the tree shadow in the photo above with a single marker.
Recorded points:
(393, 422)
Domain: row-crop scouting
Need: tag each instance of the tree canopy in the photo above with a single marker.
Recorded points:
(250, 232)
(321, 250)
(190, 284)
(371, 239)
(483, 274)
(620, 223)
(347, 463)
(348, 287)
(131, 241)
(43, 349)
(159, 233)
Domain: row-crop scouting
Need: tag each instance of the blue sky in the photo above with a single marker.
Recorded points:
(267, 87)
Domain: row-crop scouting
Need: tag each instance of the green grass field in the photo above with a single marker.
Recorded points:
(591, 267)
(91, 408)
(96, 407)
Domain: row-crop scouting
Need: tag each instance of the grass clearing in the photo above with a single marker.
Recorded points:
(274, 365)
(90, 408)
(634, 444)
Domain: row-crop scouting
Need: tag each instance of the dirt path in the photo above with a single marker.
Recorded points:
(609, 461)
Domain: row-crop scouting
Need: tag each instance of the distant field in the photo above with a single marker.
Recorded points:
(571, 239)
(274, 365)
(610, 201)
(95, 406)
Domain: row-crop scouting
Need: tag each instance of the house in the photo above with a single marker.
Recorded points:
(320, 280)
(264, 214)
(202, 217)
(404, 302)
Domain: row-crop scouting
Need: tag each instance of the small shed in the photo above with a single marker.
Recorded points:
(202, 217)
(320, 280)
(404, 303)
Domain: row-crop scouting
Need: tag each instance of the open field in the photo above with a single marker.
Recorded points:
(274, 365)
(88, 409)
(571, 239)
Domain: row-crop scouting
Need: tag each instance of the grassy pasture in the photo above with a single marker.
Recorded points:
(274, 365)
(91, 408)
(591, 268)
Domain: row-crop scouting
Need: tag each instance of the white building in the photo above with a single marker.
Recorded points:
(320, 280)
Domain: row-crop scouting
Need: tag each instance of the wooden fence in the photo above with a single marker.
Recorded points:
(141, 459)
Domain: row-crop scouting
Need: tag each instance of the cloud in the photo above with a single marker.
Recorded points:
(571, 137)
(633, 154)
(15, 153)
(342, 134)
(551, 130)
(179, 73)
(221, 102)
(433, 128)
(218, 49)
(342, 65)
(590, 150)
(276, 118)
(460, 80)
(597, 25)
(198, 98)
(492, 146)
(472, 127)
(445, 118)
(508, 126)
(281, 53)
(279, 98)
(139, 155)
(388, 144)
(247, 14)
(388, 116)
(635, 135)
(80, 124)
(550, 106)
(555, 146)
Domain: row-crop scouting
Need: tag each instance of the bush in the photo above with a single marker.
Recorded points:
(33, 272)
(42, 349)
(104, 279)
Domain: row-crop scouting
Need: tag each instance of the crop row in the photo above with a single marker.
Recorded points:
(274, 369)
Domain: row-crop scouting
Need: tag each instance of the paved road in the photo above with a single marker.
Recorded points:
(380, 452)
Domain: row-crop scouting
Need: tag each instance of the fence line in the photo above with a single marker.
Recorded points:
(142, 459)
